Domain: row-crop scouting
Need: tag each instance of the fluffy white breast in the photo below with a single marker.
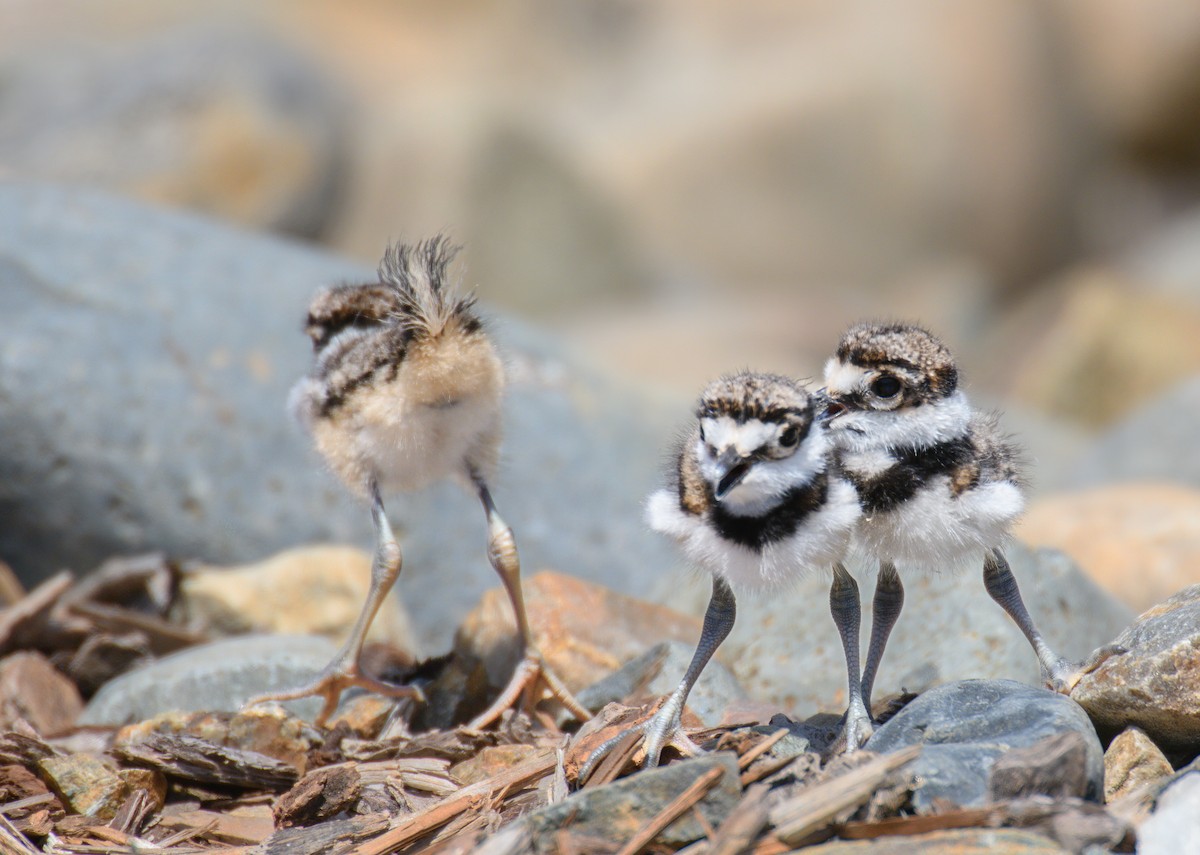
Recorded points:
(822, 539)
(936, 530)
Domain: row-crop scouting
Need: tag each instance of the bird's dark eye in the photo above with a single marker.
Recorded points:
(789, 437)
(886, 386)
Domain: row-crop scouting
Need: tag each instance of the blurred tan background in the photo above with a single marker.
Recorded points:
(683, 187)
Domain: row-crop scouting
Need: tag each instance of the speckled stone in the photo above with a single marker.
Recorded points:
(966, 726)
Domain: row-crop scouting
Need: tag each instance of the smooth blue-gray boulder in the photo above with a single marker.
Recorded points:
(224, 119)
(785, 649)
(144, 371)
(966, 726)
(220, 675)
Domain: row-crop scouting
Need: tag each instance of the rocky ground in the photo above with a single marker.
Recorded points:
(144, 369)
(677, 190)
(123, 733)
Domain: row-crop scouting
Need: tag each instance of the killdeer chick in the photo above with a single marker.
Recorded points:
(939, 484)
(753, 502)
(406, 389)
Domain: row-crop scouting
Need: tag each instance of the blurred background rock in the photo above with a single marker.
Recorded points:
(682, 188)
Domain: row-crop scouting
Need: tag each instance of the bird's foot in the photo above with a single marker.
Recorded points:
(1063, 676)
(530, 682)
(334, 679)
(660, 731)
(857, 728)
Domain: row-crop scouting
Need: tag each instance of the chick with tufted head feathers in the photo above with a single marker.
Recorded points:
(406, 389)
(752, 501)
(940, 485)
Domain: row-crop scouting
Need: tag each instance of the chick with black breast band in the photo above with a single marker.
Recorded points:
(940, 485)
(752, 501)
(406, 389)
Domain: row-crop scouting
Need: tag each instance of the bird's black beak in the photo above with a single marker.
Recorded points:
(828, 407)
(832, 410)
(735, 468)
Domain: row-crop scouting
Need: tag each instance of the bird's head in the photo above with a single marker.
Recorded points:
(754, 440)
(892, 385)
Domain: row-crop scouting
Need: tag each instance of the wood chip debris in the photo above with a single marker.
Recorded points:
(184, 790)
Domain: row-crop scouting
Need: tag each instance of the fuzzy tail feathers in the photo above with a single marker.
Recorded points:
(428, 304)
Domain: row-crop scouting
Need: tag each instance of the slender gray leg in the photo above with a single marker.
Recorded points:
(344, 671)
(664, 729)
(847, 614)
(885, 610)
(531, 673)
(1061, 674)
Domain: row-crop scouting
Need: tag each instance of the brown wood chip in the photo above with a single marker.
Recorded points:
(190, 758)
(21, 624)
(318, 796)
(907, 825)
(675, 809)
(11, 589)
(162, 636)
(818, 805)
(434, 817)
(333, 836)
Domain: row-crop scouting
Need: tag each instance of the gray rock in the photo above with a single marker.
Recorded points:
(1156, 684)
(143, 380)
(616, 811)
(785, 648)
(220, 675)
(657, 672)
(966, 726)
(222, 119)
(1175, 824)
(1054, 767)
(1156, 442)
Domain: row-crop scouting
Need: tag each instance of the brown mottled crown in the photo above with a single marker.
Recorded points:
(347, 306)
(908, 346)
(751, 395)
(412, 294)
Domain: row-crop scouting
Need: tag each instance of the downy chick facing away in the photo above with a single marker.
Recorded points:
(940, 486)
(405, 389)
(753, 502)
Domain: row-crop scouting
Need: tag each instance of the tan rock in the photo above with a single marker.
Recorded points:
(1155, 684)
(584, 631)
(1132, 761)
(492, 760)
(34, 691)
(87, 785)
(315, 590)
(1094, 346)
(1138, 541)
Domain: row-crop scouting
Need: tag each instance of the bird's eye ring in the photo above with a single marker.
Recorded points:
(886, 386)
(789, 437)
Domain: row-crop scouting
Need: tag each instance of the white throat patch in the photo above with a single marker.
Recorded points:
(768, 480)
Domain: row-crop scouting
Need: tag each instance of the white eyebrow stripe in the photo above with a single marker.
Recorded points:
(723, 432)
(842, 377)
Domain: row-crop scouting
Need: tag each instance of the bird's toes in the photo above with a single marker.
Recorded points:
(1065, 676)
